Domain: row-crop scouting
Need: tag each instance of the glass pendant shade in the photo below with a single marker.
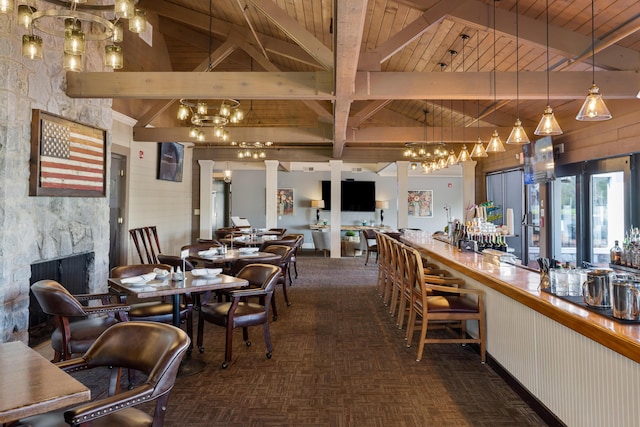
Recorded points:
(478, 150)
(452, 160)
(72, 62)
(548, 124)
(593, 109)
(124, 8)
(183, 112)
(25, 12)
(118, 31)
(495, 143)
(193, 131)
(518, 134)
(73, 37)
(201, 136)
(225, 111)
(7, 6)
(414, 166)
(464, 155)
(202, 108)
(32, 46)
(138, 23)
(238, 116)
(113, 56)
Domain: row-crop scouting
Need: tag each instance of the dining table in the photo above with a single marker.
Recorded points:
(32, 385)
(228, 258)
(166, 287)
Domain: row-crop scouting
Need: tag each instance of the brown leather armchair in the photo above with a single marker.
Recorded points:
(285, 253)
(369, 236)
(75, 337)
(299, 239)
(241, 311)
(155, 311)
(153, 348)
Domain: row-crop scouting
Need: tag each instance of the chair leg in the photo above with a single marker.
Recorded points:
(228, 348)
(367, 260)
(295, 268)
(267, 339)
(274, 308)
(284, 291)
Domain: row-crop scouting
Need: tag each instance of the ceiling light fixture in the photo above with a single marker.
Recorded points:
(227, 174)
(495, 143)
(518, 135)
(200, 114)
(593, 109)
(548, 124)
(252, 150)
(101, 22)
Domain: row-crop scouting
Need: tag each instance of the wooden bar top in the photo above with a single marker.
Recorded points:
(32, 385)
(522, 285)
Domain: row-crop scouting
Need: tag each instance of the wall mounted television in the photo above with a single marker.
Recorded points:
(356, 196)
(539, 164)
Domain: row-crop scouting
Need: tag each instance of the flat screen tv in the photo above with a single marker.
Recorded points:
(539, 165)
(356, 196)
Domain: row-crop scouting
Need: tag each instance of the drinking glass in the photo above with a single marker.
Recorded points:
(562, 283)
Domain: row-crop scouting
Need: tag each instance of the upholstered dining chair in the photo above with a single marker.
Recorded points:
(444, 306)
(77, 325)
(159, 310)
(299, 239)
(371, 245)
(155, 349)
(243, 310)
(321, 241)
(285, 253)
(146, 238)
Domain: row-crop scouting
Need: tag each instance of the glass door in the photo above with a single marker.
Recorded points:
(607, 214)
(531, 225)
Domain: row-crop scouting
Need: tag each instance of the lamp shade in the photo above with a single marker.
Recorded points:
(317, 204)
(382, 204)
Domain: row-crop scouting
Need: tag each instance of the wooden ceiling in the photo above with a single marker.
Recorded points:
(355, 77)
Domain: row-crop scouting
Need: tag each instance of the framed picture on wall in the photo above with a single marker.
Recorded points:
(67, 158)
(285, 201)
(420, 203)
(170, 161)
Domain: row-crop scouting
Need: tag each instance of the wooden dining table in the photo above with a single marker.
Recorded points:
(229, 258)
(32, 385)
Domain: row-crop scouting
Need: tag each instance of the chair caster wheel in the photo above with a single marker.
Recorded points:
(269, 355)
(288, 304)
(225, 364)
(248, 343)
(201, 350)
(275, 318)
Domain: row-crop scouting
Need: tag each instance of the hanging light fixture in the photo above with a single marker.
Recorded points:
(495, 143)
(200, 114)
(464, 155)
(68, 23)
(478, 150)
(593, 109)
(252, 150)
(518, 135)
(548, 124)
(227, 174)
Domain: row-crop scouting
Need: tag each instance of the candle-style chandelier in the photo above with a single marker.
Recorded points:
(252, 150)
(68, 22)
(200, 114)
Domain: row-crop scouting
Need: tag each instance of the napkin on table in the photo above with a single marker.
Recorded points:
(208, 252)
(248, 250)
(141, 278)
(205, 271)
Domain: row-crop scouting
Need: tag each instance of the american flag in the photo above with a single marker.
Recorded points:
(71, 157)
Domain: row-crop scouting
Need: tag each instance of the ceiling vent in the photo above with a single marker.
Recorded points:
(307, 169)
(356, 170)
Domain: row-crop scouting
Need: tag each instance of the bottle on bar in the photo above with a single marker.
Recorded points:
(616, 254)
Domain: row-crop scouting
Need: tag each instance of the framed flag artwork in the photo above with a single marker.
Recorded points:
(67, 158)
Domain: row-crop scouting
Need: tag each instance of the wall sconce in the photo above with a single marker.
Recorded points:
(382, 204)
(318, 204)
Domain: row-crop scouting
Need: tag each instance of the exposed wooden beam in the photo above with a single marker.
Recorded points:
(295, 31)
(569, 85)
(163, 85)
(350, 17)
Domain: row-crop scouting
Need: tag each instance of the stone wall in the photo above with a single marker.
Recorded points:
(41, 228)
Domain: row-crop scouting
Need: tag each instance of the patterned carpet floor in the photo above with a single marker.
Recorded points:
(339, 360)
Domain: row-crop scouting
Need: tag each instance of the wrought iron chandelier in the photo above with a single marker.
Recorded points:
(67, 23)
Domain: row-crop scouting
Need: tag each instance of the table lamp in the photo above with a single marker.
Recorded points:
(382, 204)
(319, 204)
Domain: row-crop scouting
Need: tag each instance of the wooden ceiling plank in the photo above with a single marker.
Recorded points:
(296, 32)
(163, 85)
(368, 111)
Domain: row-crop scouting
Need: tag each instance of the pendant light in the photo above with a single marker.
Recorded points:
(518, 135)
(593, 109)
(478, 149)
(548, 124)
(495, 143)
(464, 155)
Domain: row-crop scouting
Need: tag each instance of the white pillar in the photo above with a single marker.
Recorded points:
(336, 207)
(402, 183)
(206, 208)
(271, 183)
(468, 187)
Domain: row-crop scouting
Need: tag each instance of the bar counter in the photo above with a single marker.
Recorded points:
(584, 367)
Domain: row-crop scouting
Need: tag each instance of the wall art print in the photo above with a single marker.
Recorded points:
(420, 203)
(170, 161)
(67, 158)
(285, 201)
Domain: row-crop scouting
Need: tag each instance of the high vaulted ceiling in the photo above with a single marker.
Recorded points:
(352, 79)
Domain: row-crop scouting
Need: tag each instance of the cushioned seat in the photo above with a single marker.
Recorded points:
(84, 333)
